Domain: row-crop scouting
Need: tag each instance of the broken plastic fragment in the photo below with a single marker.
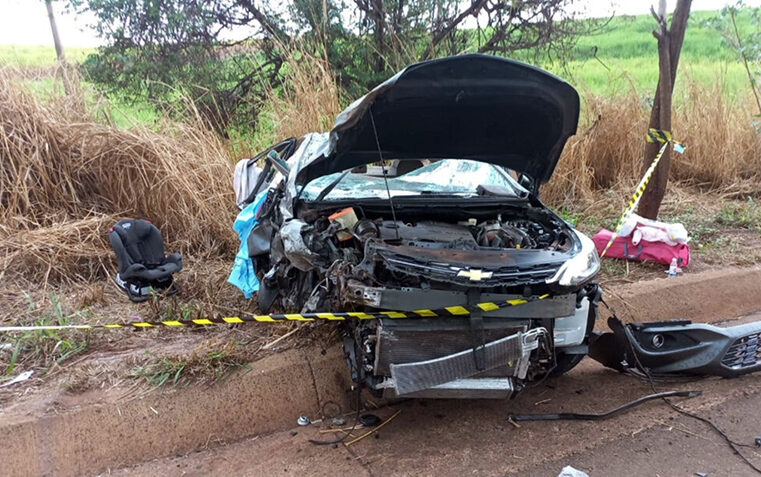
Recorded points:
(20, 378)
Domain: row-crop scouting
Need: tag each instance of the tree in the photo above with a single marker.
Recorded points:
(54, 30)
(58, 46)
(747, 45)
(669, 48)
(405, 31)
(155, 46)
(160, 49)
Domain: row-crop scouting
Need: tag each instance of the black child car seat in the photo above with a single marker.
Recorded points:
(140, 255)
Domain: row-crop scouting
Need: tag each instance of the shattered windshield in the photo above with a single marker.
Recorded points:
(445, 177)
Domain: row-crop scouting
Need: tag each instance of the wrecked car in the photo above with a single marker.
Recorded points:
(425, 195)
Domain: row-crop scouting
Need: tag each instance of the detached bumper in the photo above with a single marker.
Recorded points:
(681, 347)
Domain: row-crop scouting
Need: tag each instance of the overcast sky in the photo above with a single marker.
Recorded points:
(24, 22)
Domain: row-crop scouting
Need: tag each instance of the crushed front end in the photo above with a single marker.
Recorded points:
(437, 257)
(457, 227)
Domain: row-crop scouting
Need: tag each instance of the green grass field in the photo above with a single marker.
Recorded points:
(627, 56)
(626, 59)
(39, 56)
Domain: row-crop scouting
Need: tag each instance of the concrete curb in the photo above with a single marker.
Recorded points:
(116, 432)
(700, 297)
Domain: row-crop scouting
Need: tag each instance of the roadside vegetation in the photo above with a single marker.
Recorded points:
(47, 348)
(73, 164)
(213, 361)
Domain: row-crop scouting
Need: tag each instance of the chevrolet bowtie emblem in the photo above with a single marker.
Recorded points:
(475, 275)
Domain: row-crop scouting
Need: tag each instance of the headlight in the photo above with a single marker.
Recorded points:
(581, 267)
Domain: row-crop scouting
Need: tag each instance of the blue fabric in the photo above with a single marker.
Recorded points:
(242, 275)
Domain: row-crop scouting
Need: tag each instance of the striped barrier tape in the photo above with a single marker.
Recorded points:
(662, 137)
(652, 136)
(449, 311)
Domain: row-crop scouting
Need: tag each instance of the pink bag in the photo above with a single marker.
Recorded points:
(659, 252)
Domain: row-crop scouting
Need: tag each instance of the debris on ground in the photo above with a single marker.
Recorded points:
(18, 379)
(569, 471)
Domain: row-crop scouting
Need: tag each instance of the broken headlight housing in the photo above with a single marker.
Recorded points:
(579, 269)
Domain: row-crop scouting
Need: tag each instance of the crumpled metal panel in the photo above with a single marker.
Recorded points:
(413, 377)
(296, 251)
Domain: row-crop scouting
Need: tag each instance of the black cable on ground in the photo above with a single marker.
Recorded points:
(572, 416)
(731, 443)
(356, 421)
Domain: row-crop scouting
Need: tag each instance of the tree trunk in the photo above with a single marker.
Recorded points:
(669, 49)
(54, 29)
(380, 22)
(58, 47)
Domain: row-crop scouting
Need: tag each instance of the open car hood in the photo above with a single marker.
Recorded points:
(478, 107)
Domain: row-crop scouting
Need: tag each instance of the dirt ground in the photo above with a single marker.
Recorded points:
(155, 358)
(145, 358)
(431, 437)
(724, 232)
(441, 437)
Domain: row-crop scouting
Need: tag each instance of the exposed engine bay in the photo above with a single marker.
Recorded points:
(351, 244)
(359, 258)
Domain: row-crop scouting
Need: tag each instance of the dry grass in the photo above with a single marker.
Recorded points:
(65, 178)
(71, 248)
(310, 100)
(722, 139)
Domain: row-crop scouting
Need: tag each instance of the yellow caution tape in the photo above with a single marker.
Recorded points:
(451, 311)
(652, 136)
(662, 137)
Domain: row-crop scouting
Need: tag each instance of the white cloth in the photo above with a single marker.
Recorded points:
(244, 180)
(641, 228)
(651, 234)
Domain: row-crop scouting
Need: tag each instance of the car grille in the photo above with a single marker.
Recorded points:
(503, 276)
(743, 352)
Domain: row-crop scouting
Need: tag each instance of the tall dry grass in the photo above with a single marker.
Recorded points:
(722, 138)
(65, 178)
(309, 100)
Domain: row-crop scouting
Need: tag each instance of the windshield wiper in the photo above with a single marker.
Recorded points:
(331, 186)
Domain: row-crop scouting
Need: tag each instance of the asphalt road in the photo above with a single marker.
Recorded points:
(442, 438)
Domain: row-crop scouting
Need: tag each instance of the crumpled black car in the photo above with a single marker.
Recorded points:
(425, 195)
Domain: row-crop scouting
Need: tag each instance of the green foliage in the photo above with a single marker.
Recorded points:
(214, 363)
(746, 215)
(570, 216)
(740, 29)
(39, 56)
(161, 51)
(46, 348)
(162, 371)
